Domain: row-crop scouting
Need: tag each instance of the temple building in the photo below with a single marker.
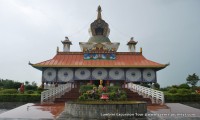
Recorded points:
(98, 60)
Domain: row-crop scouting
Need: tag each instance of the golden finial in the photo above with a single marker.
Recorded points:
(99, 12)
(132, 38)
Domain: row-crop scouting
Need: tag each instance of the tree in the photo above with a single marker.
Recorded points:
(192, 79)
(16, 85)
(156, 86)
(184, 85)
(32, 86)
(34, 83)
(8, 84)
(26, 82)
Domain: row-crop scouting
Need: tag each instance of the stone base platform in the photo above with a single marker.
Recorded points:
(96, 110)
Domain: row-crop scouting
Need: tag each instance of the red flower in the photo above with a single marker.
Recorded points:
(104, 89)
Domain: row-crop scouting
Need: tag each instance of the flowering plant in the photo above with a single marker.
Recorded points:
(104, 89)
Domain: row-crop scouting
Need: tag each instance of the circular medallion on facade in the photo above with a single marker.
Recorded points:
(133, 75)
(65, 74)
(99, 73)
(116, 73)
(149, 75)
(82, 73)
(49, 74)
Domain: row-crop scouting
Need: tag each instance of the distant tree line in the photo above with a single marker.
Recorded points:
(11, 84)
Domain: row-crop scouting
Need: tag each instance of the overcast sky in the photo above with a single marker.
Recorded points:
(167, 30)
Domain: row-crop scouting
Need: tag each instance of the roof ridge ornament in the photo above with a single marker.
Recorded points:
(132, 38)
(99, 12)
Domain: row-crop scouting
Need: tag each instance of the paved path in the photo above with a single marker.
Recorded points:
(3, 110)
(32, 111)
(176, 111)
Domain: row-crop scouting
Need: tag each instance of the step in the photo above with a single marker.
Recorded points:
(71, 95)
(135, 96)
(58, 100)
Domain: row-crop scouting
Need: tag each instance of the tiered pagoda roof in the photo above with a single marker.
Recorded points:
(75, 59)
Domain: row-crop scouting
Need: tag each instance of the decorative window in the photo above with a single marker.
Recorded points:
(148, 74)
(82, 72)
(133, 74)
(49, 74)
(116, 72)
(99, 73)
(65, 74)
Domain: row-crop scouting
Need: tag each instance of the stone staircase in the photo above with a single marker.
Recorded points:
(134, 96)
(71, 95)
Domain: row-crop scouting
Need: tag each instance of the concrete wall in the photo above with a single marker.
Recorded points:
(105, 111)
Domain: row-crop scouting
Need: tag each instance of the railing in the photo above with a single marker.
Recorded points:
(155, 95)
(54, 92)
(49, 86)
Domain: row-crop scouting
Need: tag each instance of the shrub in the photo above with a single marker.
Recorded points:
(81, 98)
(39, 92)
(30, 87)
(145, 85)
(30, 92)
(182, 97)
(112, 88)
(173, 90)
(97, 96)
(183, 91)
(174, 86)
(19, 98)
(85, 95)
(185, 86)
(156, 86)
(40, 89)
(8, 91)
(165, 89)
(112, 96)
(85, 88)
(123, 97)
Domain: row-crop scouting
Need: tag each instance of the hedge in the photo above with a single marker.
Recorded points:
(182, 98)
(20, 98)
(8, 91)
